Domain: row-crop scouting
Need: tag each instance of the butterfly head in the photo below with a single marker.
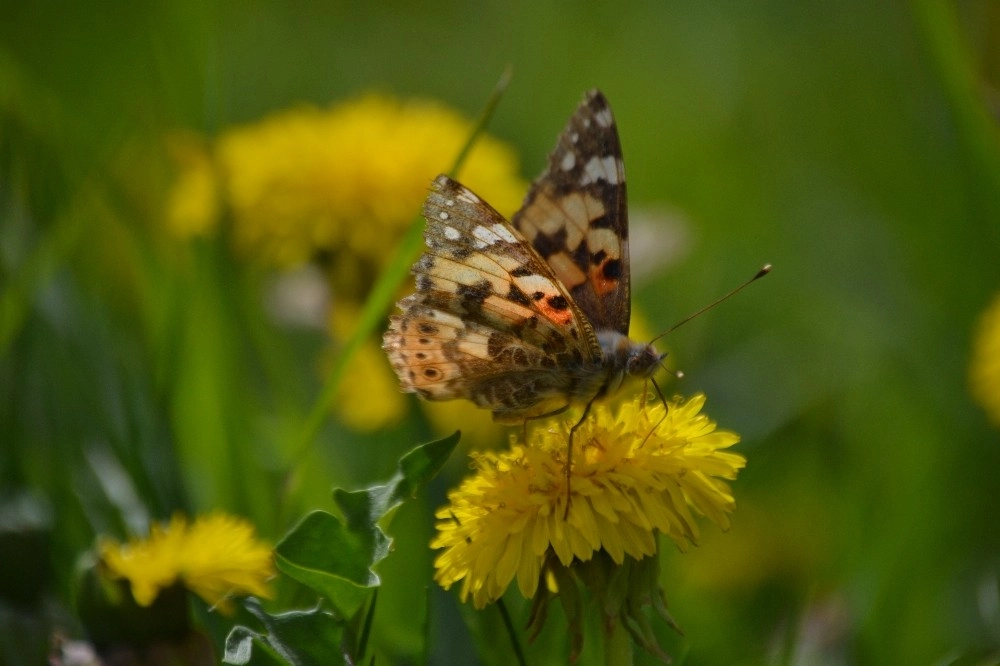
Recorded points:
(643, 360)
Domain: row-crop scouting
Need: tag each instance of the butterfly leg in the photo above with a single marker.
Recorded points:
(569, 456)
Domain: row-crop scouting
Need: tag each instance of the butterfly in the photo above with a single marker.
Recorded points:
(527, 317)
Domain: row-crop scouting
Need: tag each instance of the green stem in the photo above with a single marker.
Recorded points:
(511, 633)
(366, 626)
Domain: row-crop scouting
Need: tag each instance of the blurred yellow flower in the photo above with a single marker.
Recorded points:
(379, 401)
(628, 484)
(370, 398)
(215, 557)
(348, 179)
(984, 370)
(479, 431)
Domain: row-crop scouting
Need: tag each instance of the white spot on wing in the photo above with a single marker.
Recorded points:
(600, 168)
(568, 161)
(603, 117)
(443, 215)
(451, 233)
(485, 236)
(504, 233)
(449, 202)
(531, 284)
(467, 195)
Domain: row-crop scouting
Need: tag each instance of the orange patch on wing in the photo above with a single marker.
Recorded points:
(556, 309)
(602, 285)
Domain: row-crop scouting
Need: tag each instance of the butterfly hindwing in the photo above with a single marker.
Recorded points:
(575, 215)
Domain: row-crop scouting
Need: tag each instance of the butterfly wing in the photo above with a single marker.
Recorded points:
(489, 320)
(575, 215)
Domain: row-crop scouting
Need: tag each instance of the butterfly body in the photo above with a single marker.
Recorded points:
(527, 317)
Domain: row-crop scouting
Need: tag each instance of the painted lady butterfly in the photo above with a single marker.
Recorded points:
(529, 316)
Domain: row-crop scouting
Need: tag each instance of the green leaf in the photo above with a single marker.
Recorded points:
(326, 555)
(417, 467)
(296, 638)
(336, 557)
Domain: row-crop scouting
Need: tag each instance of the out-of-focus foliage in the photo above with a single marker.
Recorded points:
(854, 145)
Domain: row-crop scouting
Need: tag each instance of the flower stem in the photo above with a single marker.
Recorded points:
(514, 643)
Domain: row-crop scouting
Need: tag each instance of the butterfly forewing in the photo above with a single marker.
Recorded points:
(490, 320)
(575, 215)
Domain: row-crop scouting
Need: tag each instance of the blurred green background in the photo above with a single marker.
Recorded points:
(853, 145)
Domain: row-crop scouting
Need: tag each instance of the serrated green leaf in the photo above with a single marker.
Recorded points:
(336, 558)
(415, 469)
(296, 638)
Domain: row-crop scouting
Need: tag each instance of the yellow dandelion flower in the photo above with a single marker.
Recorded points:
(629, 483)
(216, 556)
(150, 565)
(349, 179)
(223, 557)
(984, 370)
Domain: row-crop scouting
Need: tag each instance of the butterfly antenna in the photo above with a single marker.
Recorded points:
(761, 273)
